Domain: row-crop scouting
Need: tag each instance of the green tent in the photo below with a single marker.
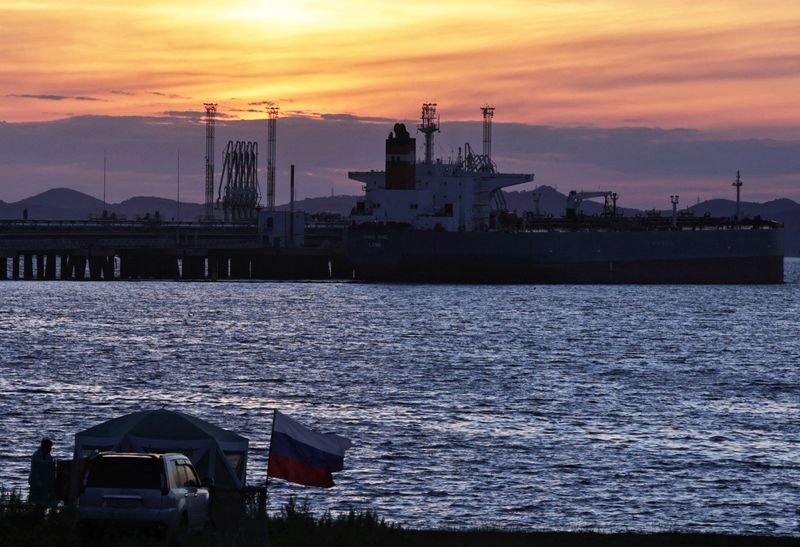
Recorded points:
(216, 453)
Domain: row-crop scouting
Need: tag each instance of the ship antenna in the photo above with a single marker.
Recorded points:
(429, 126)
(738, 184)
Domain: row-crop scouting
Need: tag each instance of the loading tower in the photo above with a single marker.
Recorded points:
(211, 113)
(488, 114)
(272, 129)
(240, 174)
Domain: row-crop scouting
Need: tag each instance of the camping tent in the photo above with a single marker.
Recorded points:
(216, 453)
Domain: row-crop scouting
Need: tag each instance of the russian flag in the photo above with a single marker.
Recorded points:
(299, 455)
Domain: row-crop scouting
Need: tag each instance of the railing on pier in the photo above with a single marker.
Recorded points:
(150, 249)
(636, 223)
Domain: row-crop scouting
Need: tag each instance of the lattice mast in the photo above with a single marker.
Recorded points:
(272, 129)
(211, 113)
(429, 126)
(488, 114)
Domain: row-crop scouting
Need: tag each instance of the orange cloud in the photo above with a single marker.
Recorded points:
(717, 64)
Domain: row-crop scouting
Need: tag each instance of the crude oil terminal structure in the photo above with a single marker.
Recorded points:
(429, 221)
(235, 238)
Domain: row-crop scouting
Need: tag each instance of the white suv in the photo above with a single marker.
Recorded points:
(162, 489)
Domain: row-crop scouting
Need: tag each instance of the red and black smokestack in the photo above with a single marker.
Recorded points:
(401, 159)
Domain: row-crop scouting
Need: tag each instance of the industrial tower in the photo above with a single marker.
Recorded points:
(211, 112)
(272, 128)
(488, 114)
(240, 176)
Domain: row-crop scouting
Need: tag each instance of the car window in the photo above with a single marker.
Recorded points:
(185, 474)
(180, 474)
(191, 476)
(117, 472)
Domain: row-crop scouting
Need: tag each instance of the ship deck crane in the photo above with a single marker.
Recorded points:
(574, 200)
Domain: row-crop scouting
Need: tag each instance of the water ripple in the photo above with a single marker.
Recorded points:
(574, 408)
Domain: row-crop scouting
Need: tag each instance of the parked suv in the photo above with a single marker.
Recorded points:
(162, 489)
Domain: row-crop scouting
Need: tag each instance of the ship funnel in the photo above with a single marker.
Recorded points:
(401, 159)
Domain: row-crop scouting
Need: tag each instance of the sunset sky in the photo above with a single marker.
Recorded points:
(725, 69)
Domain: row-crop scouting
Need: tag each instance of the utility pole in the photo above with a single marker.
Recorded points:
(179, 186)
(674, 200)
(291, 205)
(104, 181)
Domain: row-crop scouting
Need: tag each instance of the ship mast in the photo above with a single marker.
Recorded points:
(738, 184)
(429, 126)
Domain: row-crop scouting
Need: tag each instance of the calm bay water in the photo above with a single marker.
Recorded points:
(531, 407)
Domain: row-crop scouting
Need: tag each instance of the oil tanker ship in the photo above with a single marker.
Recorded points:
(438, 221)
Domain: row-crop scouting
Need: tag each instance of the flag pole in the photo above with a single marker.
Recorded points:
(269, 458)
(269, 450)
(263, 507)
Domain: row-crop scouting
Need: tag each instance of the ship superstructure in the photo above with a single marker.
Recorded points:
(455, 195)
(446, 222)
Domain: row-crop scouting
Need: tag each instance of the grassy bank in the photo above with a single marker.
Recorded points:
(296, 526)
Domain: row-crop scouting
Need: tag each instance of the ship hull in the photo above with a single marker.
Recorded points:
(724, 256)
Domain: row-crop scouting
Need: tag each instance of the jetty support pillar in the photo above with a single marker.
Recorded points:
(108, 268)
(193, 267)
(80, 267)
(27, 266)
(67, 267)
(240, 267)
(50, 267)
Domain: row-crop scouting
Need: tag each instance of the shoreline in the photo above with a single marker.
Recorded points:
(22, 525)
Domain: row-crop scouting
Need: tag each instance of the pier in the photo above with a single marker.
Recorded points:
(105, 250)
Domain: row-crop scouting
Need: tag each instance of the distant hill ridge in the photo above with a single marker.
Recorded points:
(66, 204)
